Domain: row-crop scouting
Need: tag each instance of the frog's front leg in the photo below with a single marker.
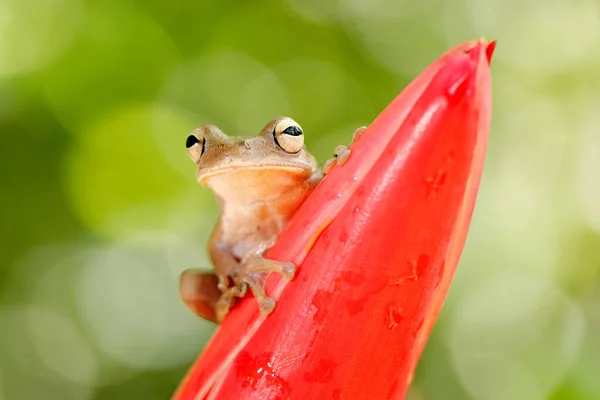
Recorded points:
(252, 273)
(341, 152)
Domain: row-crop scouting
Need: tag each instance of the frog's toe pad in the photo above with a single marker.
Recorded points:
(223, 306)
(342, 153)
(288, 270)
(328, 166)
(266, 305)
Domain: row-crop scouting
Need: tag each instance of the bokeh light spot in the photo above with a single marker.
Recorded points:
(585, 374)
(61, 346)
(318, 92)
(119, 179)
(212, 86)
(588, 170)
(316, 10)
(27, 372)
(262, 99)
(383, 26)
(170, 126)
(558, 36)
(130, 303)
(120, 56)
(515, 336)
(33, 34)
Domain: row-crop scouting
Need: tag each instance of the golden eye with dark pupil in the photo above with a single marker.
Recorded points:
(193, 142)
(293, 130)
(288, 136)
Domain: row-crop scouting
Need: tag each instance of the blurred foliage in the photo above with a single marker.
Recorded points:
(100, 211)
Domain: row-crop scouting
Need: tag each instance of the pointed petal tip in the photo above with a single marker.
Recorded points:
(489, 50)
(480, 45)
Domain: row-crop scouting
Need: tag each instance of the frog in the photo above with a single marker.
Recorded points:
(259, 183)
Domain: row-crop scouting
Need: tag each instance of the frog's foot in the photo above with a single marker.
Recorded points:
(200, 293)
(342, 152)
(256, 282)
(227, 299)
(340, 155)
(254, 272)
(257, 264)
(328, 166)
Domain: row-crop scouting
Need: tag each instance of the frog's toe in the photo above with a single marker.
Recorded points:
(342, 153)
(358, 133)
(224, 305)
(260, 266)
(240, 289)
(288, 270)
(266, 305)
(221, 313)
(328, 166)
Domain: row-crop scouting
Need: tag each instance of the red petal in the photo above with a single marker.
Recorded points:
(377, 244)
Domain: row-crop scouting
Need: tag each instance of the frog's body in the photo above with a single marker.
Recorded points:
(261, 213)
(259, 183)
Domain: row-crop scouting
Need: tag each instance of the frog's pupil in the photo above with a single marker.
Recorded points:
(190, 141)
(293, 130)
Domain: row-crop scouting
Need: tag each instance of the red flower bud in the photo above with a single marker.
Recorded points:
(377, 244)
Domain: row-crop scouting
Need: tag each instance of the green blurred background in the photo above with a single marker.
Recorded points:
(100, 211)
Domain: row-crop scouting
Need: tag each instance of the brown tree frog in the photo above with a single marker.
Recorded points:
(259, 183)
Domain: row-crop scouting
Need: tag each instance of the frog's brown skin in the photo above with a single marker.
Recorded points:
(259, 183)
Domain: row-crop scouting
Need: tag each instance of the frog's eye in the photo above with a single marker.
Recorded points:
(288, 135)
(196, 145)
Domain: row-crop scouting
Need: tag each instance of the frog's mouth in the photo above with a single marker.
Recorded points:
(256, 183)
(253, 172)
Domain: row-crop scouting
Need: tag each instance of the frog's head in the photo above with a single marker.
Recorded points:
(264, 165)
